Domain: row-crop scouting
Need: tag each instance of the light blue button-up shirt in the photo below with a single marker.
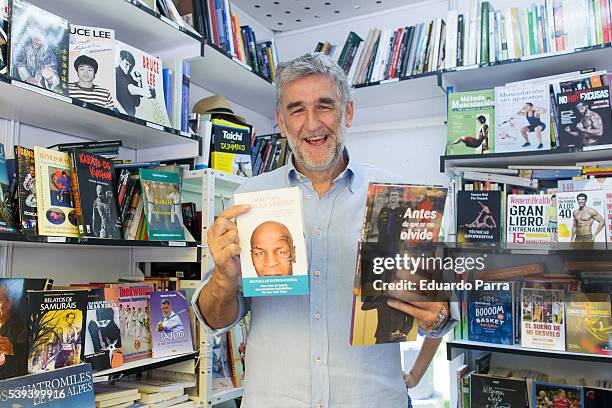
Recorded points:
(298, 352)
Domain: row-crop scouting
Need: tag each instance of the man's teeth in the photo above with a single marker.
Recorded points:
(314, 138)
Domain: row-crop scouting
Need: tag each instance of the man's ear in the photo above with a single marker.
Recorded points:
(348, 114)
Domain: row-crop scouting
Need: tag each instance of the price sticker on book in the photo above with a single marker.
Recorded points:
(388, 81)
(42, 91)
(155, 126)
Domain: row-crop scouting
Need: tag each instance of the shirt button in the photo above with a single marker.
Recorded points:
(317, 316)
(318, 360)
(317, 273)
(317, 405)
(309, 196)
(318, 231)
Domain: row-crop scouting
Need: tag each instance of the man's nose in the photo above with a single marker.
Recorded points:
(312, 120)
(270, 259)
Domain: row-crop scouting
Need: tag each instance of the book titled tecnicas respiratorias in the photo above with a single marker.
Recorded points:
(273, 250)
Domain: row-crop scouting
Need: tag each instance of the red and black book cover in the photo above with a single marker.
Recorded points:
(96, 206)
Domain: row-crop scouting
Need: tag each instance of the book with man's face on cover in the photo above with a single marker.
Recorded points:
(170, 324)
(13, 323)
(273, 250)
(398, 218)
(92, 59)
(38, 47)
(139, 85)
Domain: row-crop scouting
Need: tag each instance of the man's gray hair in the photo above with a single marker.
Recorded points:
(309, 64)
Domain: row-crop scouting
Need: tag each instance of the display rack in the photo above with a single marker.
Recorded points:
(40, 108)
(220, 73)
(459, 345)
(211, 187)
(145, 364)
(27, 240)
(559, 156)
(134, 24)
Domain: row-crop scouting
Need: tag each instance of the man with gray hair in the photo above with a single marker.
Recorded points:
(299, 353)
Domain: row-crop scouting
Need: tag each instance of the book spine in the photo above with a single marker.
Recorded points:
(185, 94)
(606, 16)
(460, 41)
(167, 79)
(76, 191)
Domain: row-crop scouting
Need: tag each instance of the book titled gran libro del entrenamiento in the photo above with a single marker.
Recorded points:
(273, 250)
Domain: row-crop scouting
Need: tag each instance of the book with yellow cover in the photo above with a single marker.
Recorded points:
(55, 194)
(589, 323)
(231, 148)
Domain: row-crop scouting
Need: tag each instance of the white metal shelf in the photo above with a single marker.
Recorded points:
(223, 396)
(134, 24)
(516, 349)
(40, 108)
(145, 364)
(500, 73)
(223, 75)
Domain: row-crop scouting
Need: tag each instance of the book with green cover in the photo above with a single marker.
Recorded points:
(470, 122)
(162, 198)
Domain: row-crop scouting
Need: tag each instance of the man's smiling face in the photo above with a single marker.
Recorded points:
(313, 119)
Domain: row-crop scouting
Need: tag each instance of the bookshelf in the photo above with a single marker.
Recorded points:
(498, 73)
(221, 397)
(560, 156)
(210, 189)
(461, 345)
(134, 23)
(220, 73)
(39, 108)
(144, 364)
(25, 240)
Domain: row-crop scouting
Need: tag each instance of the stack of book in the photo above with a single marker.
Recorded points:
(219, 23)
(480, 35)
(269, 153)
(103, 324)
(97, 69)
(81, 192)
(159, 392)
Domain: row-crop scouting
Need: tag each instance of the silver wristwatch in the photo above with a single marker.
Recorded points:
(440, 320)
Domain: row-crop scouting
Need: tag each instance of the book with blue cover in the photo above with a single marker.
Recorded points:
(491, 315)
(69, 387)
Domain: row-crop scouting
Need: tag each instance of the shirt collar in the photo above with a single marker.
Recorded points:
(352, 173)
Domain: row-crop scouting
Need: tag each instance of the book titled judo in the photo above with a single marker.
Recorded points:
(273, 249)
(170, 329)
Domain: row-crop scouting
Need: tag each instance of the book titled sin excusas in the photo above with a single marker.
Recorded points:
(272, 244)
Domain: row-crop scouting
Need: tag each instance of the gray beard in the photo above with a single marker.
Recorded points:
(337, 152)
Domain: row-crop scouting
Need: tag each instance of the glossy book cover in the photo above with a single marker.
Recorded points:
(273, 249)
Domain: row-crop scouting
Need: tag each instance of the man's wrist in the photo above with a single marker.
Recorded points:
(441, 319)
